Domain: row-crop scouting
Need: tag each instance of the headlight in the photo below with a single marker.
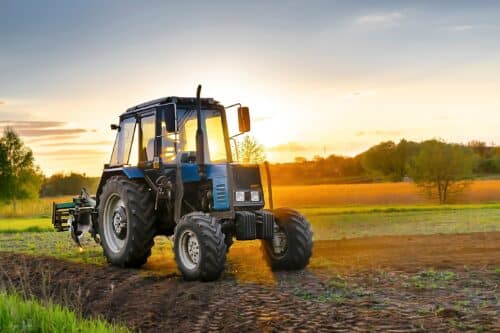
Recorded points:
(254, 196)
(239, 196)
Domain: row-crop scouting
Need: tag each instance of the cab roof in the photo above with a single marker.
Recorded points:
(180, 101)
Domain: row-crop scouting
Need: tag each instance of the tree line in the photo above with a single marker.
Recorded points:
(441, 169)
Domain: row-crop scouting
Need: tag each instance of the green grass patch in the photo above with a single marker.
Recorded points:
(326, 297)
(330, 223)
(431, 279)
(19, 315)
(26, 236)
(356, 209)
(54, 244)
(18, 225)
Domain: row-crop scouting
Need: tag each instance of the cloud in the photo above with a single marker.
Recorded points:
(288, 147)
(13, 114)
(389, 18)
(2, 102)
(71, 152)
(41, 128)
(32, 124)
(90, 143)
(59, 137)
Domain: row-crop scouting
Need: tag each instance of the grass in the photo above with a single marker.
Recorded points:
(32, 208)
(353, 209)
(54, 244)
(431, 279)
(19, 315)
(326, 297)
(22, 235)
(334, 224)
(17, 225)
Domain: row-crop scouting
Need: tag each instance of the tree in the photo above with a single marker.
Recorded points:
(250, 151)
(68, 184)
(19, 176)
(300, 159)
(442, 169)
(389, 160)
(480, 148)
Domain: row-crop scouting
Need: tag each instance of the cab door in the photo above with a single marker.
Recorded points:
(149, 145)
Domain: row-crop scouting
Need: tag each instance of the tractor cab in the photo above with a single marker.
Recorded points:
(160, 141)
(172, 173)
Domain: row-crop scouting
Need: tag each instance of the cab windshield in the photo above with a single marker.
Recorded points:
(214, 134)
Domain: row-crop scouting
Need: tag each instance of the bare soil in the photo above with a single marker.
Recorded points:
(390, 284)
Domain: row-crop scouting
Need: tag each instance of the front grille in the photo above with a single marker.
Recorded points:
(220, 193)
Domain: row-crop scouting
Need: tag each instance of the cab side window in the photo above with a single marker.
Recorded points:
(168, 142)
(148, 138)
(124, 142)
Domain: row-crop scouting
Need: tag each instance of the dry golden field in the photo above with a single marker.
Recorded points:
(479, 192)
(376, 194)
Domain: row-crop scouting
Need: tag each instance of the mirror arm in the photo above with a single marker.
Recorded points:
(236, 149)
(232, 137)
(232, 106)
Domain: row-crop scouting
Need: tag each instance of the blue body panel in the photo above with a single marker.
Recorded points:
(219, 176)
(217, 173)
(133, 173)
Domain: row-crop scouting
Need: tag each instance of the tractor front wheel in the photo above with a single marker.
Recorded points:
(126, 222)
(291, 246)
(199, 247)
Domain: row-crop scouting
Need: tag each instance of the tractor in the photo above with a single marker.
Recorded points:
(172, 173)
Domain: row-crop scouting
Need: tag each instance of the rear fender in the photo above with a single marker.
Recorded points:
(129, 172)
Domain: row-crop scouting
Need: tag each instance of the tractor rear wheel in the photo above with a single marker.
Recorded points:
(199, 247)
(126, 222)
(291, 246)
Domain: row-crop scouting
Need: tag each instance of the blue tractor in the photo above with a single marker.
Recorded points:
(172, 173)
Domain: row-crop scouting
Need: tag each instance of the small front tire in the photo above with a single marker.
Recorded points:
(294, 238)
(199, 247)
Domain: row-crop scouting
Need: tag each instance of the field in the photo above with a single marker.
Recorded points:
(385, 259)
(351, 195)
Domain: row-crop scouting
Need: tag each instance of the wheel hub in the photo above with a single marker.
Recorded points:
(120, 222)
(189, 251)
(280, 242)
(193, 249)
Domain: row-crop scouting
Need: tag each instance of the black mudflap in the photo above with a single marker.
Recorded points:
(254, 225)
(245, 226)
(265, 224)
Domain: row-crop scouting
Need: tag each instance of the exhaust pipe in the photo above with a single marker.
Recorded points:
(200, 137)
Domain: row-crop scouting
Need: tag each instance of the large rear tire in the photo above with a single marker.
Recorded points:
(291, 246)
(199, 247)
(126, 222)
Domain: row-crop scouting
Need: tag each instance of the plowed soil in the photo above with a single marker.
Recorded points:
(390, 284)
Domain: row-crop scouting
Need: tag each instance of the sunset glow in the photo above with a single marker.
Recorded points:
(320, 78)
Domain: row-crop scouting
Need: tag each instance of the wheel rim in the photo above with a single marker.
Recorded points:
(189, 249)
(279, 243)
(115, 223)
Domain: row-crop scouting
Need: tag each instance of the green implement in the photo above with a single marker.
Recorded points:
(76, 216)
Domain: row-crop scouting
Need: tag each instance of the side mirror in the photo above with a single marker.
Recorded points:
(244, 119)
(115, 127)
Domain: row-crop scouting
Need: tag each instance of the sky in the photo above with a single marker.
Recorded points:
(320, 77)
